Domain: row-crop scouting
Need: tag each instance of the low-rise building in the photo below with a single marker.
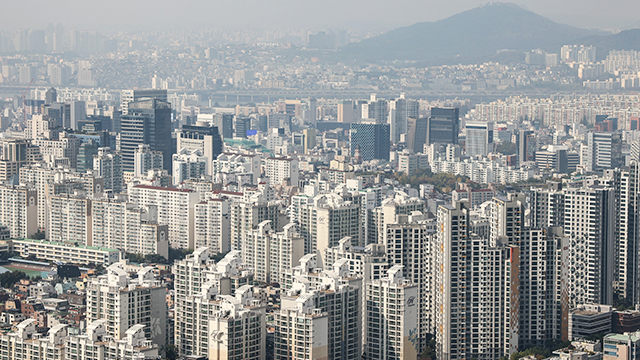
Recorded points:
(66, 252)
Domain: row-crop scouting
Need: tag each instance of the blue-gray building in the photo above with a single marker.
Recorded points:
(373, 140)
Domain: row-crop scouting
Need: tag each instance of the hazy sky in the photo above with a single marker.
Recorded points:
(136, 15)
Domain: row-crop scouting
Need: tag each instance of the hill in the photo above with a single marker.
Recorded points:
(624, 40)
(468, 36)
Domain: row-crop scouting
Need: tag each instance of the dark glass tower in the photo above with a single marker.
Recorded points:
(148, 122)
(372, 140)
(444, 126)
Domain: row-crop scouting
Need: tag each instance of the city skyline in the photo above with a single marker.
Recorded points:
(358, 15)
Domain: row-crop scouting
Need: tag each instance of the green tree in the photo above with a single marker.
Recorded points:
(155, 258)
(170, 352)
(8, 279)
(39, 235)
(506, 148)
(178, 254)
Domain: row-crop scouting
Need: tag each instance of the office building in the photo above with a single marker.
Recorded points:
(125, 302)
(128, 96)
(144, 160)
(409, 163)
(147, 122)
(371, 140)
(312, 116)
(392, 297)
(345, 111)
(417, 134)
(86, 152)
(175, 209)
(108, 164)
(271, 254)
(479, 138)
(443, 126)
(621, 346)
(201, 137)
(242, 125)
(604, 151)
(526, 146)
(309, 139)
(587, 320)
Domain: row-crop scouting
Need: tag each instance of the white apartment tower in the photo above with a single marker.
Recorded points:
(338, 297)
(70, 219)
(271, 254)
(392, 317)
(175, 209)
(188, 165)
(409, 244)
(117, 224)
(108, 165)
(19, 210)
(590, 224)
(199, 282)
(213, 225)
(144, 159)
(124, 302)
(279, 170)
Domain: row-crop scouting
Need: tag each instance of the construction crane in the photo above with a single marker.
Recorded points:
(24, 102)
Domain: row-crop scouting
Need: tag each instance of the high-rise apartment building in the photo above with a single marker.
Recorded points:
(392, 317)
(279, 169)
(117, 224)
(70, 219)
(201, 137)
(271, 254)
(245, 215)
(481, 322)
(409, 245)
(213, 225)
(175, 208)
(124, 302)
(19, 210)
(144, 160)
(443, 126)
(327, 219)
(323, 321)
(198, 283)
(108, 165)
(188, 165)
(589, 223)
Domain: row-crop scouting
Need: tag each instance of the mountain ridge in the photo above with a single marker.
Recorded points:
(475, 33)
